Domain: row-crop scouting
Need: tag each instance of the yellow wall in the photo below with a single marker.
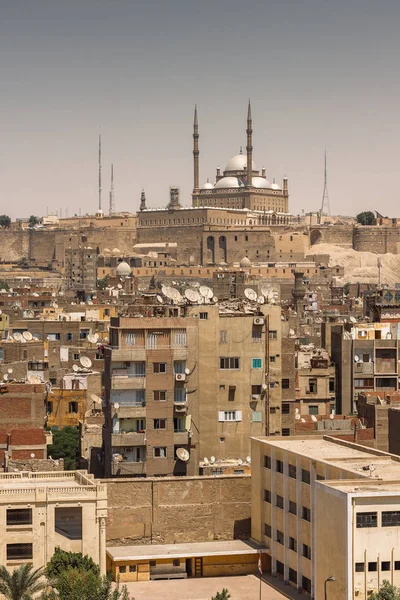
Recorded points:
(61, 417)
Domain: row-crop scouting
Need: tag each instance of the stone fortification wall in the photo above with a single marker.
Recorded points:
(177, 510)
(377, 239)
(340, 235)
(14, 245)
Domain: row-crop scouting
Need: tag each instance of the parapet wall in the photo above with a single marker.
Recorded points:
(178, 510)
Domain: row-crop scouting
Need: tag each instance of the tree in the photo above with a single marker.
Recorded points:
(77, 584)
(366, 218)
(387, 592)
(62, 561)
(102, 283)
(22, 584)
(33, 221)
(65, 445)
(4, 285)
(5, 221)
(223, 595)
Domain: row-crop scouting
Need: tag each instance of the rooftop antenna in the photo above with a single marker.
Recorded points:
(112, 202)
(99, 171)
(325, 206)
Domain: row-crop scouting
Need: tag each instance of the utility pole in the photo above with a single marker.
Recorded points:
(325, 206)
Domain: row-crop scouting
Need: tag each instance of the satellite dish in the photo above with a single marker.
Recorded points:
(91, 338)
(248, 459)
(250, 294)
(212, 460)
(27, 336)
(296, 410)
(187, 371)
(159, 299)
(116, 405)
(297, 416)
(183, 454)
(1, 312)
(95, 398)
(9, 371)
(332, 416)
(356, 358)
(17, 337)
(303, 420)
(215, 299)
(206, 292)
(175, 295)
(260, 299)
(5, 377)
(85, 362)
(75, 368)
(314, 418)
(264, 386)
(240, 462)
(32, 455)
(206, 461)
(353, 319)
(291, 332)
(192, 295)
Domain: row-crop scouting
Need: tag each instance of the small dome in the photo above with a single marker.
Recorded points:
(245, 262)
(275, 186)
(207, 186)
(116, 251)
(228, 182)
(106, 251)
(260, 182)
(123, 269)
(238, 163)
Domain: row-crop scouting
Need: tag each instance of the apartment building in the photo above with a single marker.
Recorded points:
(42, 511)
(327, 509)
(203, 380)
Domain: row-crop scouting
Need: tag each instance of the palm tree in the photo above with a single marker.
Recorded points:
(22, 584)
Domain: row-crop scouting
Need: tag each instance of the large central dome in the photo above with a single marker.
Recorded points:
(238, 163)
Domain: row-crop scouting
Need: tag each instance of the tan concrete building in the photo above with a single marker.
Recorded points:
(327, 508)
(42, 511)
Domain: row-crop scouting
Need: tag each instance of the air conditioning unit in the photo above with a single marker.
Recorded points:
(180, 377)
(258, 321)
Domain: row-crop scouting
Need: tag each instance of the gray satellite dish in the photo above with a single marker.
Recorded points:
(116, 405)
(75, 368)
(250, 294)
(206, 292)
(27, 336)
(183, 454)
(18, 337)
(85, 362)
(192, 295)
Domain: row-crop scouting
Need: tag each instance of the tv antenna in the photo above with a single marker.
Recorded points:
(325, 206)
(112, 198)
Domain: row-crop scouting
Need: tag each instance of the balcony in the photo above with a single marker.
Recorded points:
(366, 368)
(181, 438)
(180, 407)
(126, 467)
(129, 438)
(125, 382)
(129, 354)
(131, 411)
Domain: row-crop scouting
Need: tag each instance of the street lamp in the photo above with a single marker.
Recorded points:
(326, 581)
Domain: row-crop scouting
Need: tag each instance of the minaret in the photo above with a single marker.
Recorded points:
(112, 201)
(195, 151)
(99, 171)
(249, 147)
(143, 201)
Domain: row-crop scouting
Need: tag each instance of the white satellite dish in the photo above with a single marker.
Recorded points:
(260, 299)
(32, 455)
(116, 405)
(91, 338)
(9, 371)
(215, 299)
(212, 460)
(353, 319)
(187, 371)
(240, 462)
(27, 336)
(206, 292)
(183, 454)
(1, 312)
(5, 377)
(297, 416)
(248, 459)
(75, 368)
(264, 386)
(292, 332)
(314, 418)
(356, 358)
(250, 294)
(159, 299)
(192, 295)
(95, 398)
(17, 336)
(206, 461)
(331, 416)
(85, 362)
(296, 410)
(303, 420)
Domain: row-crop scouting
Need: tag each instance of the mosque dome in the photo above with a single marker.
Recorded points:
(260, 182)
(106, 251)
(207, 186)
(116, 251)
(275, 186)
(238, 163)
(228, 182)
(245, 262)
(123, 269)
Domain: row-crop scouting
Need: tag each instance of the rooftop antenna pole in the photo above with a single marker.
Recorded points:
(99, 171)
(112, 202)
(325, 206)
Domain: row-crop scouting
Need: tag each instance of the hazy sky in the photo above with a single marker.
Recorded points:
(318, 73)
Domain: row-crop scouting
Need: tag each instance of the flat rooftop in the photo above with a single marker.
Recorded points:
(351, 457)
(152, 552)
(370, 487)
(27, 479)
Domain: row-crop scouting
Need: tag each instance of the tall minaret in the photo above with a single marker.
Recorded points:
(249, 147)
(112, 200)
(143, 201)
(99, 171)
(195, 151)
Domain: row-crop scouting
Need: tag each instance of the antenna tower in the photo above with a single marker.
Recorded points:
(325, 206)
(112, 200)
(99, 171)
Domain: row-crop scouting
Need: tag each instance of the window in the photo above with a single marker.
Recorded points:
(306, 514)
(397, 565)
(286, 431)
(267, 530)
(272, 359)
(179, 366)
(151, 341)
(386, 565)
(279, 466)
(49, 407)
(160, 452)
(372, 566)
(292, 575)
(229, 415)
(204, 316)
(331, 384)
(176, 562)
(256, 335)
(223, 336)
(231, 393)
(273, 334)
(229, 362)
(75, 356)
(159, 367)
(364, 383)
(82, 334)
(292, 544)
(285, 408)
(152, 563)
(280, 538)
(391, 518)
(313, 409)
(159, 395)
(256, 363)
(68, 337)
(180, 338)
(332, 408)
(19, 551)
(285, 384)
(267, 496)
(256, 390)
(122, 569)
(279, 501)
(267, 462)
(306, 584)
(280, 568)
(73, 407)
(132, 568)
(160, 423)
(292, 507)
(320, 478)
(19, 516)
(366, 519)
(130, 339)
(359, 568)
(307, 551)
(305, 476)
(312, 385)
(256, 416)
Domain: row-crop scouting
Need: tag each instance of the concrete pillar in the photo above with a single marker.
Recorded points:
(102, 545)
